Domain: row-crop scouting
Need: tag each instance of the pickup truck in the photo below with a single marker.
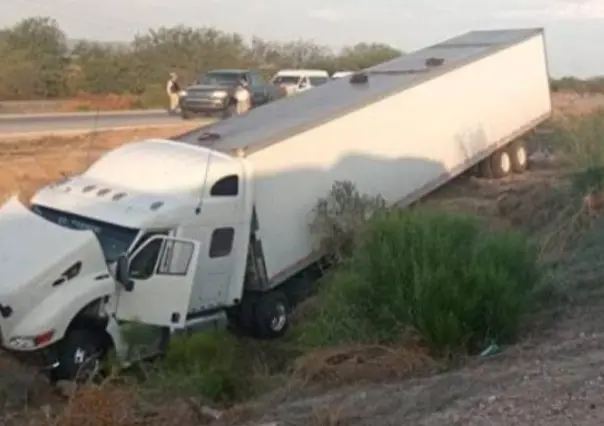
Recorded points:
(213, 93)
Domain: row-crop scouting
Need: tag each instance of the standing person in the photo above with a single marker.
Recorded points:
(173, 89)
(243, 96)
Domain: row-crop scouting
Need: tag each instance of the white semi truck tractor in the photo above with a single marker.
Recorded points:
(214, 224)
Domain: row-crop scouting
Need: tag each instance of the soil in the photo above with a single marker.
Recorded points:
(28, 164)
(554, 376)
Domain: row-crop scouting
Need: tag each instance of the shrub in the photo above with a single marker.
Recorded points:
(579, 142)
(441, 275)
(209, 365)
(339, 218)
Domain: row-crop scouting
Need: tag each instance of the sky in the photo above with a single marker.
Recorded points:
(574, 28)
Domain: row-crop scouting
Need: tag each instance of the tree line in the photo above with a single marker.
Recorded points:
(39, 62)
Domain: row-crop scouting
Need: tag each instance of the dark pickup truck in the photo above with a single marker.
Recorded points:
(213, 93)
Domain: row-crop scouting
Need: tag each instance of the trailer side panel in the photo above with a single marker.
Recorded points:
(402, 146)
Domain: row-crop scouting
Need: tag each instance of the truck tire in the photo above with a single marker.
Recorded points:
(79, 355)
(501, 163)
(518, 156)
(185, 115)
(271, 315)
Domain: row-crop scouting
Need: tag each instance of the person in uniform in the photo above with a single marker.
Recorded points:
(173, 90)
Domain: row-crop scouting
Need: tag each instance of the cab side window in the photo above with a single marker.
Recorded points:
(228, 186)
(142, 265)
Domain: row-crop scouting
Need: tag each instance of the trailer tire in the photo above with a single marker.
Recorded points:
(79, 355)
(501, 164)
(518, 156)
(271, 315)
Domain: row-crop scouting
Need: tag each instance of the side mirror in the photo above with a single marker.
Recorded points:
(122, 272)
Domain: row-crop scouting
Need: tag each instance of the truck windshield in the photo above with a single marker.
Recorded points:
(220, 78)
(114, 239)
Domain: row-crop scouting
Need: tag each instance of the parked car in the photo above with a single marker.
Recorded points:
(341, 74)
(213, 93)
(294, 81)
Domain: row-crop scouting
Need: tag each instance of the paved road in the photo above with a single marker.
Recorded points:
(12, 124)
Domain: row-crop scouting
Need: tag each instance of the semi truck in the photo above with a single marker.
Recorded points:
(213, 225)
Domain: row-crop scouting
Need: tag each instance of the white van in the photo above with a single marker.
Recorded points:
(294, 81)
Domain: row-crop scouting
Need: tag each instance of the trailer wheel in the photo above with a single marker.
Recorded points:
(79, 355)
(501, 164)
(518, 156)
(272, 315)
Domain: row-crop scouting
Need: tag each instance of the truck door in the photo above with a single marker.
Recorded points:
(162, 270)
(259, 89)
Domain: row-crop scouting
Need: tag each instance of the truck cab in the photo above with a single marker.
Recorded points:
(154, 233)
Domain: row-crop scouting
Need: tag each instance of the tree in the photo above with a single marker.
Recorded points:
(40, 46)
(37, 62)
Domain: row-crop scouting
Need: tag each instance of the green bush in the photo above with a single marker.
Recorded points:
(209, 365)
(445, 276)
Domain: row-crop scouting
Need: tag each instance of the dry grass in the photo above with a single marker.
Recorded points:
(26, 165)
(573, 104)
(339, 366)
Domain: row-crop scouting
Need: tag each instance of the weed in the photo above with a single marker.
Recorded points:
(209, 365)
(442, 275)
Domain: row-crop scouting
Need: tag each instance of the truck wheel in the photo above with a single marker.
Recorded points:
(518, 156)
(186, 115)
(79, 355)
(272, 315)
(501, 164)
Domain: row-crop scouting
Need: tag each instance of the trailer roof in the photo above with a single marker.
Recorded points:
(276, 121)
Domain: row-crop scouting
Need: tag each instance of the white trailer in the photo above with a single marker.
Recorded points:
(175, 234)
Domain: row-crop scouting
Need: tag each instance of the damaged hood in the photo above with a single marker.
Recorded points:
(35, 254)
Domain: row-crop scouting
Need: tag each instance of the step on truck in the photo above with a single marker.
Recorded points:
(214, 225)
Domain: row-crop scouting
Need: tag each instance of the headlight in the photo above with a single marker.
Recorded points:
(220, 94)
(25, 343)
(182, 93)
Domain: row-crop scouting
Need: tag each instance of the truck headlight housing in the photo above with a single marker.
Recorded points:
(22, 343)
(219, 94)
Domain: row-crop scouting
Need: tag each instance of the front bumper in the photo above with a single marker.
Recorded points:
(44, 359)
(203, 105)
